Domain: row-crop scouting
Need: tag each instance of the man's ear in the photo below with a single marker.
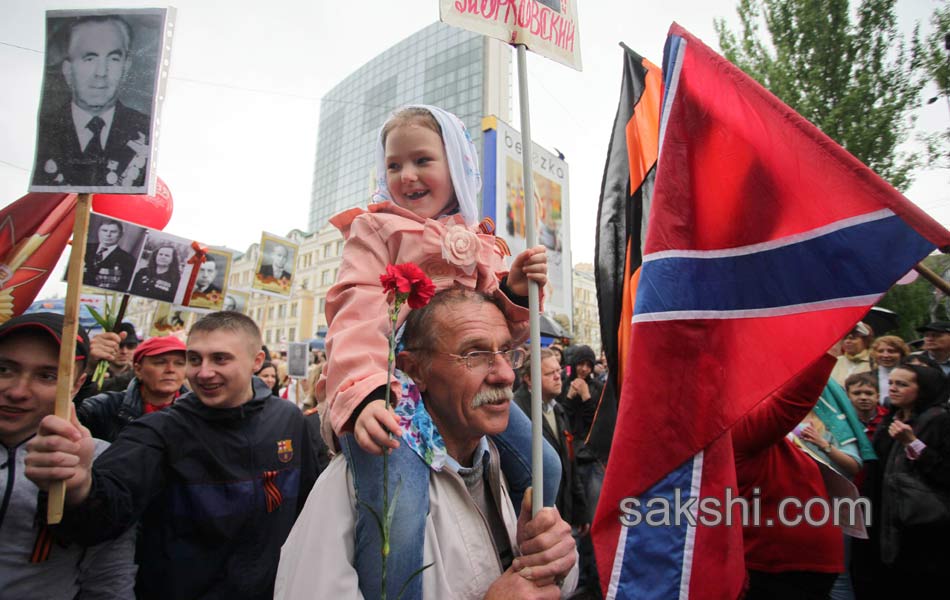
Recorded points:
(411, 364)
(78, 384)
(258, 361)
(68, 73)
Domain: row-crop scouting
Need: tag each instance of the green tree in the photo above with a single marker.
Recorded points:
(850, 73)
(918, 303)
(936, 63)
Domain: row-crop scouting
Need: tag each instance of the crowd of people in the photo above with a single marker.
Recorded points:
(232, 480)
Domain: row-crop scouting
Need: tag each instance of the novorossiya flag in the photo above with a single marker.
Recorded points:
(766, 242)
(625, 203)
(33, 233)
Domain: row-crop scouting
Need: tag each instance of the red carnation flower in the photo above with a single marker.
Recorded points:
(407, 282)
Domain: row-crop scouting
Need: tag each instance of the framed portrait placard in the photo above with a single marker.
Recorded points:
(276, 264)
(297, 356)
(211, 281)
(103, 90)
(130, 259)
(236, 300)
(168, 320)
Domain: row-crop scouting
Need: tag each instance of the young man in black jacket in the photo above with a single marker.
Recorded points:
(217, 480)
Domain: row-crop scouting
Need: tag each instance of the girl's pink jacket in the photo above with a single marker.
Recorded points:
(357, 308)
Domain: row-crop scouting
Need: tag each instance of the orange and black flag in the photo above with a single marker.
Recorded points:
(34, 231)
(624, 207)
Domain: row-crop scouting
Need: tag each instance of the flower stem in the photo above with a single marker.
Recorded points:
(393, 315)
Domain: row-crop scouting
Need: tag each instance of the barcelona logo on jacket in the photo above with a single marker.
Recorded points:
(285, 450)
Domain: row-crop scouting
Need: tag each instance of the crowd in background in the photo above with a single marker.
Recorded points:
(875, 415)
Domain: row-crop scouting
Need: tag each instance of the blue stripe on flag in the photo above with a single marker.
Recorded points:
(652, 559)
(859, 260)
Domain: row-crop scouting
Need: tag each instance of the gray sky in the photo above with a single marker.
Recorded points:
(239, 126)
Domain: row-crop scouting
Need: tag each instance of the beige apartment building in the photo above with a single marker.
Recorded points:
(586, 314)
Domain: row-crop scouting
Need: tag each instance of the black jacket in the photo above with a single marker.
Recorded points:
(571, 501)
(60, 160)
(106, 414)
(580, 412)
(114, 272)
(217, 492)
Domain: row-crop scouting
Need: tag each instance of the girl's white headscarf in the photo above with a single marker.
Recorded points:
(462, 156)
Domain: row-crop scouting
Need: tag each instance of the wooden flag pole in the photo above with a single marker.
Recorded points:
(67, 349)
(933, 278)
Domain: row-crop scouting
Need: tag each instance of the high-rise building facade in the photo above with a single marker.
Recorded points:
(462, 72)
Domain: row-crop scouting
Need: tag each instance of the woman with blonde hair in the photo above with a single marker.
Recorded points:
(887, 352)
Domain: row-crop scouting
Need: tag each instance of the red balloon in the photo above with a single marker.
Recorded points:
(153, 212)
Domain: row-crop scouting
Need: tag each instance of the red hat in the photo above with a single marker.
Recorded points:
(158, 345)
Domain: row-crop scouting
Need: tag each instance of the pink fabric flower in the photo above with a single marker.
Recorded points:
(460, 247)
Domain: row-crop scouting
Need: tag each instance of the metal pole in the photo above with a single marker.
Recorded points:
(531, 240)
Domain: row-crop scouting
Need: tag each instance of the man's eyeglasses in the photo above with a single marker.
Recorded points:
(128, 346)
(480, 359)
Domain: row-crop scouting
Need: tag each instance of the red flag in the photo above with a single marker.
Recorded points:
(758, 258)
(33, 233)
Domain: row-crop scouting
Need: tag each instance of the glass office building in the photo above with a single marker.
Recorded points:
(463, 72)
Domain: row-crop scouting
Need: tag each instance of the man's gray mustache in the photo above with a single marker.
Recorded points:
(491, 396)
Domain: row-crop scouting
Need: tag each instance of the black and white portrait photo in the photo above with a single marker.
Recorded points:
(235, 300)
(275, 265)
(297, 356)
(160, 271)
(111, 248)
(100, 98)
(208, 291)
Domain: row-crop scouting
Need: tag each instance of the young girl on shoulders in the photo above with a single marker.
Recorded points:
(425, 212)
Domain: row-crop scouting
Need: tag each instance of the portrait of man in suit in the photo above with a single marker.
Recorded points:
(211, 279)
(107, 264)
(278, 267)
(276, 264)
(92, 142)
(204, 283)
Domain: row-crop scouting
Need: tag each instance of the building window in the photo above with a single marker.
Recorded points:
(293, 310)
(281, 311)
(292, 334)
(322, 305)
(270, 312)
(326, 278)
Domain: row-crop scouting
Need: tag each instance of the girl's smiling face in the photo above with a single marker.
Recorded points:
(417, 171)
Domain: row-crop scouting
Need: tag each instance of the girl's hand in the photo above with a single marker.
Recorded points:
(902, 432)
(373, 426)
(810, 435)
(532, 264)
